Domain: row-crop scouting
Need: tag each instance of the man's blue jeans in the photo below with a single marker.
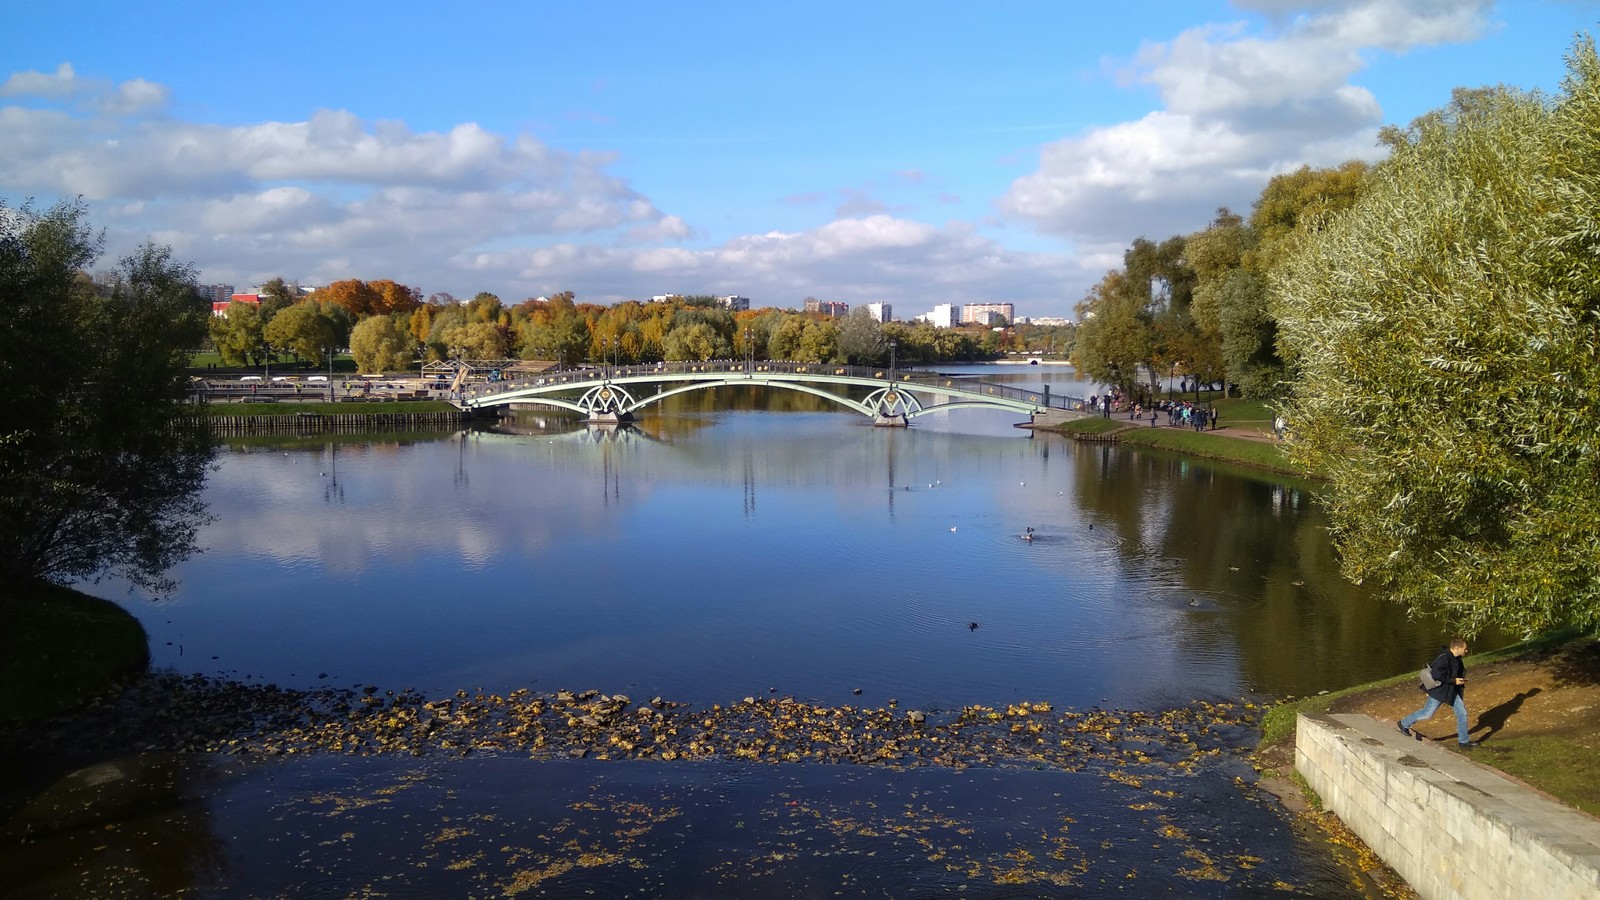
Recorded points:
(1426, 712)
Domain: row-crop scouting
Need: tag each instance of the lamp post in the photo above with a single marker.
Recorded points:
(605, 357)
(892, 345)
(1170, 378)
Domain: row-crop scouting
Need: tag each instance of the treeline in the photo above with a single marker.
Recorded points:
(388, 327)
(1198, 305)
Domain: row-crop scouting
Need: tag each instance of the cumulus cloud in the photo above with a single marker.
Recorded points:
(1237, 108)
(63, 85)
(858, 260)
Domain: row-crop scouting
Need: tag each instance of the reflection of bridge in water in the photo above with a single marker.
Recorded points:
(614, 393)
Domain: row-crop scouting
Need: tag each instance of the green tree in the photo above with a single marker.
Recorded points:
(277, 295)
(382, 344)
(819, 343)
(1443, 333)
(1114, 337)
(238, 335)
(861, 340)
(475, 340)
(696, 341)
(555, 331)
(100, 467)
(304, 330)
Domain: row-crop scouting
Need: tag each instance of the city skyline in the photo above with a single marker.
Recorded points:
(908, 154)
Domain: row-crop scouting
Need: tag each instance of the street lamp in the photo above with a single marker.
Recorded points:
(892, 345)
(749, 351)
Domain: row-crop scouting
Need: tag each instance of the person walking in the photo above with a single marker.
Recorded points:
(1451, 675)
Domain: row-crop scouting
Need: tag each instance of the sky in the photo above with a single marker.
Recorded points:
(914, 153)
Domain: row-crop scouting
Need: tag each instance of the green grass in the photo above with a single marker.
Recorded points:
(1256, 454)
(209, 362)
(60, 649)
(1096, 425)
(328, 409)
(1559, 767)
(1253, 454)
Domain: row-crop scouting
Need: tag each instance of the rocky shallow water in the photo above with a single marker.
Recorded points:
(185, 784)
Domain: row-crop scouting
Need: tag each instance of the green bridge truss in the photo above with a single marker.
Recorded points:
(613, 393)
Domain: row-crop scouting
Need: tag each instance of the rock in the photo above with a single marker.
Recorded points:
(917, 717)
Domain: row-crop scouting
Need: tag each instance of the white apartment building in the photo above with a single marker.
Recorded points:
(883, 312)
(987, 313)
(945, 315)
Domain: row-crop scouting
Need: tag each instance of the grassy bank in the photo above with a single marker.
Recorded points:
(1256, 454)
(60, 649)
(1245, 452)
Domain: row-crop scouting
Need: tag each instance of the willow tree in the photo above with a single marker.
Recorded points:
(1448, 384)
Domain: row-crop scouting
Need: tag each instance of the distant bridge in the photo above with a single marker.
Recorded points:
(613, 393)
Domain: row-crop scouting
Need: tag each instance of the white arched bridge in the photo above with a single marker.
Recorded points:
(616, 393)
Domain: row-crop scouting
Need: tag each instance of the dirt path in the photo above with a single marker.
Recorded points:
(1537, 718)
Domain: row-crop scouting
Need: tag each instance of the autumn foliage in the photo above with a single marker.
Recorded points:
(367, 298)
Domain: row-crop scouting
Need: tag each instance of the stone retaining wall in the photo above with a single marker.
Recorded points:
(1450, 827)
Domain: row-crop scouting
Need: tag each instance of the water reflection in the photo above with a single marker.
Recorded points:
(709, 553)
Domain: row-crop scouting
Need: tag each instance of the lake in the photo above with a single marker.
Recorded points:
(740, 544)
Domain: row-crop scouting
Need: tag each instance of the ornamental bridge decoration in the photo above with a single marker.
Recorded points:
(893, 398)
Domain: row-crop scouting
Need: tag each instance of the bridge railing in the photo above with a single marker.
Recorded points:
(971, 384)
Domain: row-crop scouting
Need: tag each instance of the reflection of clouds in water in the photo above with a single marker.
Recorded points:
(278, 505)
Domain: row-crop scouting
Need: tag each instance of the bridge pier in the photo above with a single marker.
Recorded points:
(885, 420)
(608, 418)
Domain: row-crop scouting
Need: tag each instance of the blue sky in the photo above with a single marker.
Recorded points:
(914, 153)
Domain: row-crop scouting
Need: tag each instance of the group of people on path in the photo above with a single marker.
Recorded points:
(1179, 413)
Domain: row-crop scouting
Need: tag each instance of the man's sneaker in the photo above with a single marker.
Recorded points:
(1468, 745)
(1403, 729)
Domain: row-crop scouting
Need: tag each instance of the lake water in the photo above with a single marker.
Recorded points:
(737, 544)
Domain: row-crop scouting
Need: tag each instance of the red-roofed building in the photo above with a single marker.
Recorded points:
(221, 309)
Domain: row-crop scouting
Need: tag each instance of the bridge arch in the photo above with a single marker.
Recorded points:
(894, 398)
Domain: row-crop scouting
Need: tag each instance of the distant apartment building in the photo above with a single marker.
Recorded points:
(1048, 321)
(945, 315)
(883, 312)
(831, 308)
(986, 313)
(735, 302)
(216, 293)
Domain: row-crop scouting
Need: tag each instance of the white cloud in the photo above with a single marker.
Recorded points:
(1237, 109)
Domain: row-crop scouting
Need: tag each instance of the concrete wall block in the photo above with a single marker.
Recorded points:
(1449, 828)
